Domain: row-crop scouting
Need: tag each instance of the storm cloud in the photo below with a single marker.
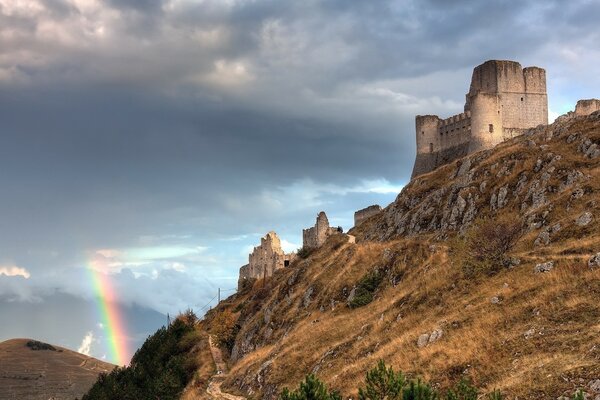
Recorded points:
(163, 138)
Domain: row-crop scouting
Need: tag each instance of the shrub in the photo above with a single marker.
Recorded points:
(382, 383)
(495, 395)
(463, 391)
(418, 390)
(487, 244)
(579, 395)
(304, 252)
(225, 329)
(365, 289)
(311, 389)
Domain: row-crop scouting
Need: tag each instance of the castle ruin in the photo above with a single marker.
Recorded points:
(586, 107)
(314, 237)
(265, 259)
(504, 99)
(361, 215)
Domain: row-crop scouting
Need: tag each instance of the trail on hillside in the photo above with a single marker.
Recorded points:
(214, 386)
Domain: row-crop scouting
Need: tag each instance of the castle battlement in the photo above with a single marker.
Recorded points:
(504, 100)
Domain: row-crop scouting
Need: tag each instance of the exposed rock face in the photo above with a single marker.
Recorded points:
(265, 259)
(314, 237)
(365, 213)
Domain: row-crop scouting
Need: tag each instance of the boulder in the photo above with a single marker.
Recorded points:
(544, 267)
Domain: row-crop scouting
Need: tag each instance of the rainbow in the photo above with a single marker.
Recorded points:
(109, 313)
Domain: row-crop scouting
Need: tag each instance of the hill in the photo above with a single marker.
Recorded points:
(31, 370)
(486, 268)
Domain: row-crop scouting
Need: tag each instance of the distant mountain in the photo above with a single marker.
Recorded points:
(32, 370)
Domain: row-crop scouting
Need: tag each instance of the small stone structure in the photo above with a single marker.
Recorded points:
(586, 107)
(314, 237)
(504, 100)
(361, 215)
(265, 259)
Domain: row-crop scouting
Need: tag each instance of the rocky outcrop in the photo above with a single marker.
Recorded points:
(487, 182)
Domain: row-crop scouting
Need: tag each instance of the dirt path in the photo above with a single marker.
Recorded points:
(214, 386)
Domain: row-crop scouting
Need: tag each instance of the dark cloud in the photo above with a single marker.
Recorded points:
(151, 127)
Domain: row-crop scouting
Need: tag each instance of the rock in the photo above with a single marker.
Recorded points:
(423, 340)
(511, 262)
(577, 194)
(594, 384)
(594, 261)
(495, 300)
(584, 219)
(529, 334)
(542, 239)
(435, 335)
(306, 299)
(428, 338)
(351, 295)
(502, 196)
(544, 267)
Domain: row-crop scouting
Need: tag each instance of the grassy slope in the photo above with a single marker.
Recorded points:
(43, 374)
(293, 334)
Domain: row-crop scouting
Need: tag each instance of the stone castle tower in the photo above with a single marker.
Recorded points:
(504, 100)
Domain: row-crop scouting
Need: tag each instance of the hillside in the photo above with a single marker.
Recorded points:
(425, 289)
(31, 370)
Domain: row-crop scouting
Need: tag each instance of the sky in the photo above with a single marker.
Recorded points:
(147, 145)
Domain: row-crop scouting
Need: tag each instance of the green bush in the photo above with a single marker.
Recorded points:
(382, 383)
(463, 391)
(304, 252)
(418, 390)
(365, 289)
(311, 389)
(160, 369)
(495, 395)
(579, 395)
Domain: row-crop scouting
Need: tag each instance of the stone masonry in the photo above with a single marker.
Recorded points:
(586, 107)
(265, 259)
(504, 100)
(314, 237)
(361, 215)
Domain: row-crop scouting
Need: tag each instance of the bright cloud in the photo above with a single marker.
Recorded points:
(14, 271)
(86, 344)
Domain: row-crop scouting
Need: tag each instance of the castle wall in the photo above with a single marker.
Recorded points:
(361, 215)
(586, 107)
(314, 237)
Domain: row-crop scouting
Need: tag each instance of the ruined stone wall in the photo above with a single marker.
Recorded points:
(314, 237)
(586, 107)
(361, 215)
(265, 259)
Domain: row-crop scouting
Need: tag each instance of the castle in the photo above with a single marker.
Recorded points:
(269, 257)
(315, 236)
(504, 100)
(265, 259)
